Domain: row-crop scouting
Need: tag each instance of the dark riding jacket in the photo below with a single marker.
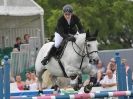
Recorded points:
(63, 28)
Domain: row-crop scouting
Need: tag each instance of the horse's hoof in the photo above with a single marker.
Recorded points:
(76, 88)
(88, 87)
(40, 92)
(55, 87)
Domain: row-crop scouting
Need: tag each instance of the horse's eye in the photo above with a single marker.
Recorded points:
(88, 45)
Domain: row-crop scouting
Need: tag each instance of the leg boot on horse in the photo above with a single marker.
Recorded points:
(49, 55)
(92, 83)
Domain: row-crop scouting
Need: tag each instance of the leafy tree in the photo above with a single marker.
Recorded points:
(113, 18)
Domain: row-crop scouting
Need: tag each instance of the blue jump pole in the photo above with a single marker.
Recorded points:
(6, 78)
(129, 75)
(1, 83)
(121, 76)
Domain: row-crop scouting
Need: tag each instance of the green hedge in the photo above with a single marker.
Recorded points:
(5, 51)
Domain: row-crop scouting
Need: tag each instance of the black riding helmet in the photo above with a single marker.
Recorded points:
(68, 8)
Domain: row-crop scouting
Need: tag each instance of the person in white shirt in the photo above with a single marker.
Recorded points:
(33, 84)
(109, 80)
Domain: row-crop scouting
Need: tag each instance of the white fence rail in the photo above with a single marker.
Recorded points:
(25, 58)
(8, 35)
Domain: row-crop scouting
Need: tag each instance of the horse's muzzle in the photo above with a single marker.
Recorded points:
(94, 61)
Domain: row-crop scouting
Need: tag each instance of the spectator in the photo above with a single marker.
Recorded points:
(100, 67)
(33, 77)
(127, 67)
(109, 80)
(100, 71)
(12, 80)
(26, 39)
(28, 78)
(124, 61)
(17, 44)
(33, 84)
(112, 65)
(20, 83)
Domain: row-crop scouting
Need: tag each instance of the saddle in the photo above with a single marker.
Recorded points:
(61, 49)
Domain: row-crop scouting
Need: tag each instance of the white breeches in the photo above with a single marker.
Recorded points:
(58, 40)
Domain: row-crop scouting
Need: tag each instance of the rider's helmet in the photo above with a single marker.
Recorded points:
(68, 8)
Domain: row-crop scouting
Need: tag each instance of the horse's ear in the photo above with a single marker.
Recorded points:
(88, 33)
(96, 33)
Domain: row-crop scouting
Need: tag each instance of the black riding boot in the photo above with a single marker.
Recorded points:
(49, 55)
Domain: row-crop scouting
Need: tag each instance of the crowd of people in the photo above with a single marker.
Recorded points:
(19, 41)
(30, 83)
(106, 77)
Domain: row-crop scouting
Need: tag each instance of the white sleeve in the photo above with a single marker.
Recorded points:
(103, 80)
(114, 78)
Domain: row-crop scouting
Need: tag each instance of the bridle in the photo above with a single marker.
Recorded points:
(84, 51)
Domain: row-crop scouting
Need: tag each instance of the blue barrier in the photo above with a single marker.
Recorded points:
(4, 80)
(123, 84)
(30, 93)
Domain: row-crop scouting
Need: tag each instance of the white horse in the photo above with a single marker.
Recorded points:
(75, 59)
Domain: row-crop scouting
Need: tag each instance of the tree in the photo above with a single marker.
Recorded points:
(109, 16)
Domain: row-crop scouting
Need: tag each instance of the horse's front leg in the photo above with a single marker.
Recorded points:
(91, 71)
(76, 77)
(72, 71)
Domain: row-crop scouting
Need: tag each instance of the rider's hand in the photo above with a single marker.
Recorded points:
(72, 38)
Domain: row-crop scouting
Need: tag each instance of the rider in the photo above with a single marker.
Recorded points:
(67, 26)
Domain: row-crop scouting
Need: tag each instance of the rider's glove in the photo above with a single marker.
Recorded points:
(72, 38)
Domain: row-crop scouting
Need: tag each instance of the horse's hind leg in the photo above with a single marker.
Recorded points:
(80, 83)
(55, 83)
(76, 82)
(40, 80)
